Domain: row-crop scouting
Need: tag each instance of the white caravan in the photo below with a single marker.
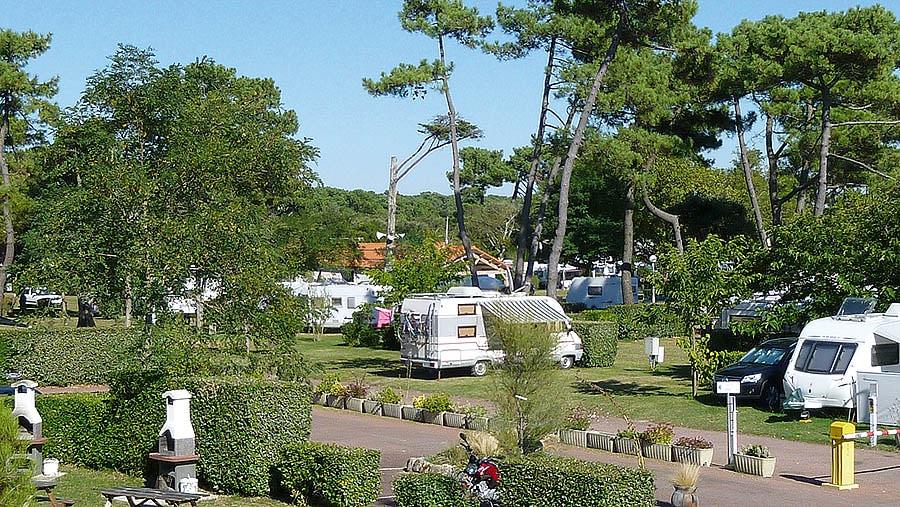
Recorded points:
(446, 330)
(831, 352)
(599, 292)
(343, 299)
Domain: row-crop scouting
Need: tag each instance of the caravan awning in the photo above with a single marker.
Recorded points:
(523, 310)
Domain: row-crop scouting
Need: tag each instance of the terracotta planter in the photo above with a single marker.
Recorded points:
(753, 465)
(454, 420)
(354, 404)
(693, 455)
(598, 440)
(662, 452)
(573, 437)
(685, 497)
(627, 446)
(411, 413)
(371, 407)
(394, 410)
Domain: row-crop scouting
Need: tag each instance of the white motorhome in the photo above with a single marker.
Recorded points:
(343, 299)
(447, 330)
(831, 352)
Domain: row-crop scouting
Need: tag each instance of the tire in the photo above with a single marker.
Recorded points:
(566, 362)
(480, 368)
(771, 398)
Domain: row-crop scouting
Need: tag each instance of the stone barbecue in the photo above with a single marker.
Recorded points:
(30, 421)
(176, 454)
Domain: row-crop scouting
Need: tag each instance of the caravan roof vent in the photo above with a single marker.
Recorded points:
(893, 310)
(856, 306)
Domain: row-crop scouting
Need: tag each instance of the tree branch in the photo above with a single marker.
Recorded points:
(864, 166)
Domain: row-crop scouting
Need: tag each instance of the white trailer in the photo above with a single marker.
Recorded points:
(447, 330)
(340, 299)
(599, 292)
(834, 351)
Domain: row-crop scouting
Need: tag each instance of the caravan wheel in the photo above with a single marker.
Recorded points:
(566, 362)
(480, 368)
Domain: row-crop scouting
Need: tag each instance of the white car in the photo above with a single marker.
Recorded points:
(33, 298)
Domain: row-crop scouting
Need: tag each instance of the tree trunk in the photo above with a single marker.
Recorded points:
(673, 220)
(822, 187)
(85, 313)
(392, 213)
(775, 200)
(748, 174)
(628, 251)
(128, 302)
(10, 251)
(574, 147)
(525, 229)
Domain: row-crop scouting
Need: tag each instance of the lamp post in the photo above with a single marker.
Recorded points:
(653, 260)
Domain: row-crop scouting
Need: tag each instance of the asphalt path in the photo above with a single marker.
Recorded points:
(801, 471)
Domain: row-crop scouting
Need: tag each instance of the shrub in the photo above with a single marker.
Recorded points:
(71, 422)
(705, 361)
(600, 343)
(636, 322)
(360, 331)
(16, 487)
(439, 402)
(333, 474)
(357, 389)
(629, 433)
(429, 490)
(659, 433)
(693, 442)
(579, 417)
(757, 450)
(386, 395)
(567, 482)
(470, 410)
(330, 384)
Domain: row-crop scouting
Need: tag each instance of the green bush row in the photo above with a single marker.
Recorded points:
(329, 474)
(240, 424)
(359, 331)
(70, 356)
(636, 322)
(539, 480)
(600, 343)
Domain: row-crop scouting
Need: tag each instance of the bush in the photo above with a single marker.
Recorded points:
(335, 475)
(568, 482)
(72, 356)
(331, 384)
(636, 322)
(429, 490)
(439, 402)
(386, 395)
(757, 450)
(600, 343)
(693, 442)
(659, 433)
(361, 332)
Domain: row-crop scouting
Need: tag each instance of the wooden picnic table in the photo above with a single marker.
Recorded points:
(150, 496)
(47, 485)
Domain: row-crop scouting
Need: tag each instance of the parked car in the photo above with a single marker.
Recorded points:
(33, 298)
(761, 372)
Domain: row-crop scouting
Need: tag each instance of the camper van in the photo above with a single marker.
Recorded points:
(447, 330)
(831, 352)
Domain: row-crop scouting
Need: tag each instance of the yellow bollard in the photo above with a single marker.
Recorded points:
(841, 456)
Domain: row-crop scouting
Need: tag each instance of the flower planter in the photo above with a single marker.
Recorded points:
(662, 452)
(411, 413)
(427, 416)
(685, 497)
(597, 440)
(318, 398)
(627, 446)
(371, 407)
(354, 404)
(753, 465)
(335, 401)
(394, 410)
(693, 455)
(477, 423)
(454, 420)
(573, 437)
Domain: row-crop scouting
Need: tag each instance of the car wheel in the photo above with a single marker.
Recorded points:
(480, 368)
(566, 362)
(771, 398)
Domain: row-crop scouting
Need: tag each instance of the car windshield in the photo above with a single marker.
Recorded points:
(764, 355)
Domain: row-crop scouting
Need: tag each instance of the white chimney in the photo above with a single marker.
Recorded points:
(24, 407)
(178, 415)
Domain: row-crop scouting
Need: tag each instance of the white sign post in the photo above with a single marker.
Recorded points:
(731, 388)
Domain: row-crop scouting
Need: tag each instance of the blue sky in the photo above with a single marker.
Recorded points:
(318, 51)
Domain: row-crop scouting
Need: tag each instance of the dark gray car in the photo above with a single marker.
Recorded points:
(761, 371)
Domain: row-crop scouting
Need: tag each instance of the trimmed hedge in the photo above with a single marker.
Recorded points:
(429, 490)
(71, 356)
(331, 474)
(600, 343)
(636, 322)
(568, 482)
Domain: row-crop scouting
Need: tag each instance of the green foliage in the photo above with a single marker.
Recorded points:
(636, 322)
(15, 474)
(756, 450)
(72, 423)
(416, 268)
(386, 395)
(693, 442)
(72, 356)
(360, 333)
(659, 433)
(579, 417)
(567, 482)
(705, 361)
(438, 402)
(357, 388)
(331, 384)
(429, 490)
(330, 474)
(599, 341)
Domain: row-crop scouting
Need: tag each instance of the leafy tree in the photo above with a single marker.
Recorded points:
(438, 20)
(482, 169)
(416, 268)
(21, 96)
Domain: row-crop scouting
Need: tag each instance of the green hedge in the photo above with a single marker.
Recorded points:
(429, 490)
(71, 356)
(636, 322)
(240, 424)
(600, 343)
(568, 482)
(330, 474)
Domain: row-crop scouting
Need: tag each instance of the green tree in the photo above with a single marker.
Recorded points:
(439, 20)
(416, 268)
(482, 169)
(21, 97)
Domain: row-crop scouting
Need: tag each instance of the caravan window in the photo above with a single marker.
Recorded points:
(465, 331)
(824, 357)
(336, 302)
(886, 354)
(595, 290)
(465, 309)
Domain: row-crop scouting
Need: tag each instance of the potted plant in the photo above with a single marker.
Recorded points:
(656, 441)
(755, 460)
(684, 480)
(432, 407)
(332, 389)
(476, 417)
(456, 417)
(574, 430)
(356, 392)
(389, 401)
(695, 450)
(627, 442)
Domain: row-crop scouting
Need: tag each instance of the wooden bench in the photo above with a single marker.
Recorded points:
(47, 487)
(149, 496)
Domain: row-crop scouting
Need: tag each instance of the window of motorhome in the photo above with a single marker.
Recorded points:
(465, 331)
(595, 290)
(336, 302)
(465, 310)
(886, 354)
(824, 357)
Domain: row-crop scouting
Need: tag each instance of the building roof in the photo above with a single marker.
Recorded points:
(372, 256)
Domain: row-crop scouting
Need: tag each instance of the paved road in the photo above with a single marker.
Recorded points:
(800, 472)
